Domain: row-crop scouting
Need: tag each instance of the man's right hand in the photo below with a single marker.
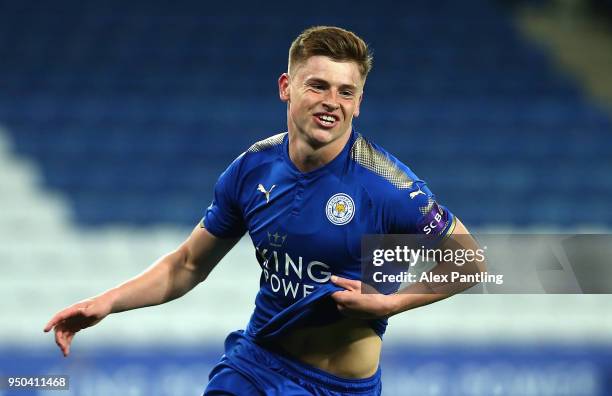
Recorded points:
(81, 315)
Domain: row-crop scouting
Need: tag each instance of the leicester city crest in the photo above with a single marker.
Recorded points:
(340, 209)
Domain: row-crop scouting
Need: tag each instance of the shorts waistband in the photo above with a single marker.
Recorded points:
(298, 370)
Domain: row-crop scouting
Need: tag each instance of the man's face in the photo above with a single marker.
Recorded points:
(323, 97)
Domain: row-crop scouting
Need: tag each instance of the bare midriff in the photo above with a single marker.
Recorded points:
(348, 348)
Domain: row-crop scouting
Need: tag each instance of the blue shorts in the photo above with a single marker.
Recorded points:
(248, 369)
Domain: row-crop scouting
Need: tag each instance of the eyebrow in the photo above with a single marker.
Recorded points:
(321, 81)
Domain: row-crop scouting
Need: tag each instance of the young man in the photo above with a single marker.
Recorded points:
(306, 197)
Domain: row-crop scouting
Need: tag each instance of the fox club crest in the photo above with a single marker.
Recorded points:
(340, 209)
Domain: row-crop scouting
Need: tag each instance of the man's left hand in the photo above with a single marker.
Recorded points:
(357, 304)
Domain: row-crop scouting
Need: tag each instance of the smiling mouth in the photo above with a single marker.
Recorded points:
(326, 120)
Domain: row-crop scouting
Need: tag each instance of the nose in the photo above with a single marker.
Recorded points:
(330, 101)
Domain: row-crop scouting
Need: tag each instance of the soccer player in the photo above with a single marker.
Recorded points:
(305, 197)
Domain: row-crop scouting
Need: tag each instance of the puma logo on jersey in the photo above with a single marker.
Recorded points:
(267, 193)
(415, 193)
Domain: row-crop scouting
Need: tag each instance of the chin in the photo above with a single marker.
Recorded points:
(320, 137)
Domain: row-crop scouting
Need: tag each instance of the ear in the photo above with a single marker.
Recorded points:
(356, 112)
(283, 87)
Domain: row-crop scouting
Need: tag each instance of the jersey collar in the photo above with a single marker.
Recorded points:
(335, 165)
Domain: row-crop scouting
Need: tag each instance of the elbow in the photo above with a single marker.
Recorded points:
(189, 264)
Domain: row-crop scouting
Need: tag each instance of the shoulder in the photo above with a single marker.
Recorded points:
(267, 143)
(379, 170)
(259, 153)
(254, 161)
(407, 203)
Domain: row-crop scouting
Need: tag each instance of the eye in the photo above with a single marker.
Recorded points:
(346, 93)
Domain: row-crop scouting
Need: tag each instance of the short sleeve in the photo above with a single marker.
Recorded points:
(416, 211)
(224, 218)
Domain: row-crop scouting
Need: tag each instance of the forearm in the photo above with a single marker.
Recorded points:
(423, 293)
(405, 301)
(170, 277)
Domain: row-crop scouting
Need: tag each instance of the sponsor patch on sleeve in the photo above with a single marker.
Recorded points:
(434, 220)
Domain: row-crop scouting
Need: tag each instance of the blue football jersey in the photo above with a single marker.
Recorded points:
(308, 226)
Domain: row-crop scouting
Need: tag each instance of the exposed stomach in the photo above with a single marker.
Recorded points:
(348, 348)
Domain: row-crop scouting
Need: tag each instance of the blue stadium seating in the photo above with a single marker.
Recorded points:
(133, 109)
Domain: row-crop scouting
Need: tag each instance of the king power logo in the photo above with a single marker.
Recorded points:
(292, 277)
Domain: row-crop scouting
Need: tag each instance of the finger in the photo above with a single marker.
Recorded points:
(69, 339)
(58, 317)
(62, 338)
(348, 284)
(62, 315)
(66, 339)
(51, 324)
(339, 296)
(58, 340)
(345, 298)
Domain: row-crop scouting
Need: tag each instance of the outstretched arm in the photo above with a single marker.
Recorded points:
(168, 278)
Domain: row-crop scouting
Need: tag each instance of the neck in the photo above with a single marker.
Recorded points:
(308, 158)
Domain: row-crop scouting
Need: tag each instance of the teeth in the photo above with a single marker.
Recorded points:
(327, 118)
